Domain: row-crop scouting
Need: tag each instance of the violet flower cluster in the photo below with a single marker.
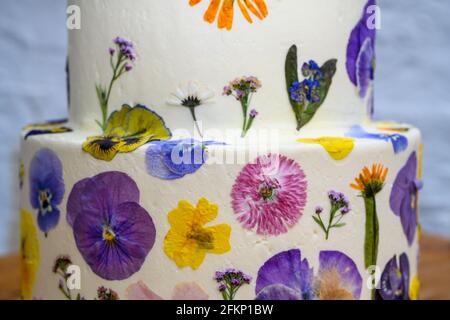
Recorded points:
(340, 206)
(121, 57)
(106, 294)
(243, 89)
(230, 281)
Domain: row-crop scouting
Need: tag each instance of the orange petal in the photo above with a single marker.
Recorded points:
(245, 11)
(366, 174)
(385, 173)
(211, 13)
(253, 9)
(226, 15)
(194, 2)
(262, 7)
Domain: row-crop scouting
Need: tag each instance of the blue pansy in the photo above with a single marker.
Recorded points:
(170, 160)
(399, 142)
(46, 188)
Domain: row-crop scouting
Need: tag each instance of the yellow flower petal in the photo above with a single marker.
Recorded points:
(187, 241)
(337, 148)
(30, 254)
(221, 233)
(102, 148)
(116, 121)
(414, 288)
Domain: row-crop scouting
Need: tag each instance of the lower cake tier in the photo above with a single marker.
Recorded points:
(317, 218)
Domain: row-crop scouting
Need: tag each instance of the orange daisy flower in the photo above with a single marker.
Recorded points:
(225, 9)
(371, 182)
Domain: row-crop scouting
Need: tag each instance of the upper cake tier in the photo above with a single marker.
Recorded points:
(187, 51)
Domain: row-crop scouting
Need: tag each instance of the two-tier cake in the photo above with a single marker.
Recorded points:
(221, 149)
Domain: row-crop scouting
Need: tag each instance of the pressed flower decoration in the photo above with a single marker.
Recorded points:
(340, 207)
(113, 233)
(106, 294)
(269, 195)
(122, 55)
(191, 95)
(337, 148)
(399, 142)
(183, 291)
(286, 276)
(130, 128)
(50, 127)
(307, 96)
(370, 183)
(361, 53)
(127, 130)
(189, 240)
(225, 9)
(390, 126)
(29, 254)
(404, 197)
(230, 281)
(60, 268)
(174, 159)
(243, 90)
(46, 188)
(395, 280)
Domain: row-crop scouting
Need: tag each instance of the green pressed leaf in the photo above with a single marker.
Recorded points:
(291, 71)
(328, 70)
(320, 223)
(304, 112)
(339, 225)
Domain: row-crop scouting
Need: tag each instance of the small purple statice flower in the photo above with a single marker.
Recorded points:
(230, 281)
(243, 89)
(106, 294)
(340, 206)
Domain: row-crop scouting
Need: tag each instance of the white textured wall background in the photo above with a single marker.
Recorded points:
(413, 85)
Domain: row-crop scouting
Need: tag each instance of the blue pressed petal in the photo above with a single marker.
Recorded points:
(404, 270)
(184, 157)
(155, 163)
(399, 142)
(364, 65)
(49, 220)
(278, 292)
(284, 268)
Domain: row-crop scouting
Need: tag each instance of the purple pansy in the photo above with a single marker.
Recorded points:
(112, 231)
(361, 52)
(286, 276)
(46, 188)
(170, 160)
(398, 141)
(404, 197)
(394, 282)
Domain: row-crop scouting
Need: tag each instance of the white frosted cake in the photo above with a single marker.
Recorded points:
(221, 149)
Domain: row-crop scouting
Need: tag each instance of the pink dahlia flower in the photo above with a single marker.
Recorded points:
(270, 195)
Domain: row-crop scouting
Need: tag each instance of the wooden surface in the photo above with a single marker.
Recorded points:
(434, 271)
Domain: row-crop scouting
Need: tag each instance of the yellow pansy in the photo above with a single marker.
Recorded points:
(127, 130)
(414, 288)
(225, 9)
(30, 257)
(337, 148)
(50, 127)
(189, 240)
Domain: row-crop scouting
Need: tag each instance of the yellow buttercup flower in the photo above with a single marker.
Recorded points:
(337, 148)
(127, 130)
(225, 9)
(414, 288)
(188, 240)
(30, 256)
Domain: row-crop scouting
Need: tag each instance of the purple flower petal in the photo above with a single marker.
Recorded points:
(399, 142)
(394, 282)
(286, 268)
(134, 237)
(364, 67)
(100, 194)
(278, 292)
(350, 278)
(155, 163)
(359, 34)
(48, 221)
(403, 199)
